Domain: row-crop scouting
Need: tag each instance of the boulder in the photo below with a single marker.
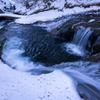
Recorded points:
(66, 32)
(94, 58)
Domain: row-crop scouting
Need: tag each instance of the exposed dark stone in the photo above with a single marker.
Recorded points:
(66, 33)
(96, 32)
(94, 58)
(54, 31)
(96, 46)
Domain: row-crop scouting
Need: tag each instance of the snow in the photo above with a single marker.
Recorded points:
(92, 20)
(58, 4)
(75, 2)
(11, 15)
(43, 16)
(52, 14)
(15, 85)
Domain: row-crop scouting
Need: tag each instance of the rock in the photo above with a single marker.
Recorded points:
(54, 31)
(96, 32)
(94, 58)
(96, 46)
(95, 55)
(66, 33)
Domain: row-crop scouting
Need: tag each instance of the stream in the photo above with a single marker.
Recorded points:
(34, 50)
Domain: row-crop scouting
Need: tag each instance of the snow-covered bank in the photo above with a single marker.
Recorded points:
(52, 14)
(46, 15)
(31, 6)
(16, 85)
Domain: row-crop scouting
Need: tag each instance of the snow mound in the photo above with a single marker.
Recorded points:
(16, 85)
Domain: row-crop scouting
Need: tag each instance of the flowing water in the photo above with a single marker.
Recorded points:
(31, 49)
(82, 36)
(79, 42)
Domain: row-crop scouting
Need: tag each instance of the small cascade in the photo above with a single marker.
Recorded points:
(82, 36)
(79, 42)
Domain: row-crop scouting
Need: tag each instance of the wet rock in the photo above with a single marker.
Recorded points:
(95, 55)
(54, 31)
(96, 46)
(96, 32)
(66, 32)
(94, 58)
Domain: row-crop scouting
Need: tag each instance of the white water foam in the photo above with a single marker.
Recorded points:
(74, 49)
(12, 55)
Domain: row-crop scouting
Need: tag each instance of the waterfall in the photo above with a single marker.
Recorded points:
(82, 36)
(79, 42)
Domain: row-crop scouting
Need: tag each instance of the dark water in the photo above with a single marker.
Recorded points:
(31, 48)
(39, 45)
